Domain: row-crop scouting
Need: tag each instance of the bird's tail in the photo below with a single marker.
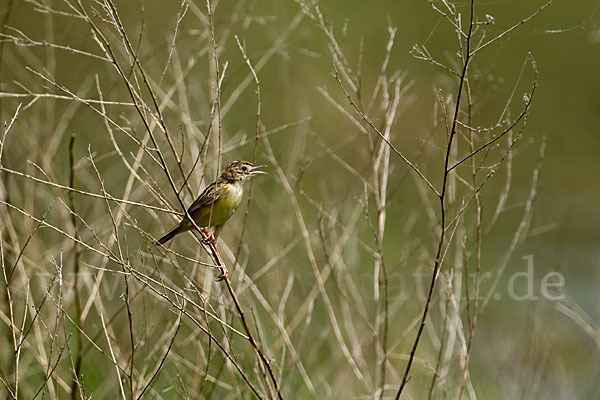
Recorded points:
(171, 234)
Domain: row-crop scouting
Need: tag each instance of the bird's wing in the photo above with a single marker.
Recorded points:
(206, 198)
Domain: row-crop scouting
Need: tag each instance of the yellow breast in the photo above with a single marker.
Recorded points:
(229, 199)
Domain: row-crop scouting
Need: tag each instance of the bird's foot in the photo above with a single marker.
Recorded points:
(207, 237)
(224, 274)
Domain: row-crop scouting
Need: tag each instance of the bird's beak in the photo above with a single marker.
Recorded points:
(254, 170)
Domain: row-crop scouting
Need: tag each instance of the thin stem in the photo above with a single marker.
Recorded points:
(76, 264)
(442, 198)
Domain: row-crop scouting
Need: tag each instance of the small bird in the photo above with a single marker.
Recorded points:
(217, 203)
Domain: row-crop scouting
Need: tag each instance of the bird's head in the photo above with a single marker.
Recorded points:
(241, 170)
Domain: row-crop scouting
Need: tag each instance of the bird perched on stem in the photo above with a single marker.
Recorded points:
(217, 203)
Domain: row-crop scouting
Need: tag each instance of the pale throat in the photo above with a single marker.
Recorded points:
(235, 193)
(237, 190)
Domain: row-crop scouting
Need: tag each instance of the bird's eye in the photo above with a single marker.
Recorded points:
(244, 168)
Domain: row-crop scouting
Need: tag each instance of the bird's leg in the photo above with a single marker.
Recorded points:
(223, 275)
(210, 239)
(207, 237)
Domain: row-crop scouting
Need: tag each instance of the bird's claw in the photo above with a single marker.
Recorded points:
(207, 237)
(223, 275)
